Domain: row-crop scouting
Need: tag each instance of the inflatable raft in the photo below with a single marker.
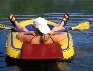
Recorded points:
(63, 50)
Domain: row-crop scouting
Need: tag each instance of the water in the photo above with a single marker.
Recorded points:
(78, 10)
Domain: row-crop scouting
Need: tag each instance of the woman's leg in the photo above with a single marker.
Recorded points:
(61, 25)
(15, 23)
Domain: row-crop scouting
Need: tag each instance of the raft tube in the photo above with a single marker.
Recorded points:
(14, 46)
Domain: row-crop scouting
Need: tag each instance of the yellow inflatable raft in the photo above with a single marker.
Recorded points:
(14, 46)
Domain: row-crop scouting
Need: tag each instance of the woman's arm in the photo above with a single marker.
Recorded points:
(29, 33)
(25, 36)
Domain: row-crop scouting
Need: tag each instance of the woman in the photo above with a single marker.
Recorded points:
(42, 33)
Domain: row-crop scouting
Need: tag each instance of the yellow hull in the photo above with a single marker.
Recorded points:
(13, 45)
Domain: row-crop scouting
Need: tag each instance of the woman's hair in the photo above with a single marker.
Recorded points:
(44, 37)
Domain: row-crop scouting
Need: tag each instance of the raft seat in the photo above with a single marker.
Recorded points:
(41, 51)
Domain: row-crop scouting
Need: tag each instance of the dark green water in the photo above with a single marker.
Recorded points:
(78, 10)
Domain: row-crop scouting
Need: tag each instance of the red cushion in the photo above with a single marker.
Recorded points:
(41, 51)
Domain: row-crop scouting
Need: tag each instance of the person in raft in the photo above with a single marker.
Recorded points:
(42, 33)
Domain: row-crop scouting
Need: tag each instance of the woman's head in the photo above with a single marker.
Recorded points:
(41, 25)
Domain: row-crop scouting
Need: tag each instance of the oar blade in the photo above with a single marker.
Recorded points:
(4, 27)
(82, 26)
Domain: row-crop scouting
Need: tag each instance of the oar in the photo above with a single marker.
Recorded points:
(4, 27)
(81, 26)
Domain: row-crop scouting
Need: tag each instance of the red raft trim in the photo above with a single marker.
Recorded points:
(41, 51)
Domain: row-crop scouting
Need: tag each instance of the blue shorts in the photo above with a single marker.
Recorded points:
(30, 28)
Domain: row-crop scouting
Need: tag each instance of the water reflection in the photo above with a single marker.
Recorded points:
(40, 67)
(49, 66)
